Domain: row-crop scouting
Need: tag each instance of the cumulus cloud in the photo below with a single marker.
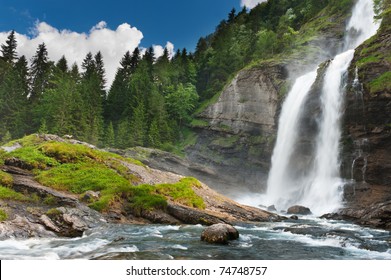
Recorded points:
(251, 3)
(158, 50)
(112, 43)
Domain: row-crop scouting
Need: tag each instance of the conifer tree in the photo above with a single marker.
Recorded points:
(9, 48)
(62, 64)
(40, 70)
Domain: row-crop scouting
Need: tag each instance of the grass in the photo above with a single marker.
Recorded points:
(144, 197)
(6, 179)
(30, 140)
(150, 197)
(33, 157)
(182, 192)
(77, 169)
(199, 123)
(3, 215)
(9, 194)
(81, 177)
(382, 83)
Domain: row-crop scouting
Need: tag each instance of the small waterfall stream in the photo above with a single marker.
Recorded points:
(320, 187)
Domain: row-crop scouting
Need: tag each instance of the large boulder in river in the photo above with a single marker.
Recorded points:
(219, 233)
(299, 210)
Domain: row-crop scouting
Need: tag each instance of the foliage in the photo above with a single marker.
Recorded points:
(152, 100)
(6, 179)
(381, 83)
(81, 177)
(9, 194)
(33, 157)
(3, 215)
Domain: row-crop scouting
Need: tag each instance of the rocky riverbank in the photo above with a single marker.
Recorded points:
(64, 207)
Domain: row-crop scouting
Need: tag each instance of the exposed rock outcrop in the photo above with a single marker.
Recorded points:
(49, 211)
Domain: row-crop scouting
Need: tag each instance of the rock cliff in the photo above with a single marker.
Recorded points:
(236, 133)
(367, 131)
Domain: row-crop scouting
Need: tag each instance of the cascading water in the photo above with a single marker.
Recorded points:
(320, 187)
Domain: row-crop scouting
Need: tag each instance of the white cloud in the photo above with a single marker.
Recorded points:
(112, 43)
(251, 3)
(158, 50)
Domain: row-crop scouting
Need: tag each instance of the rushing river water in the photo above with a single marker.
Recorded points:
(311, 238)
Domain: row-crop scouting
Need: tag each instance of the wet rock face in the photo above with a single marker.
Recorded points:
(240, 132)
(250, 102)
(219, 234)
(366, 133)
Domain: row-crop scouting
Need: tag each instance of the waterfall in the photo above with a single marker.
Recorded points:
(320, 187)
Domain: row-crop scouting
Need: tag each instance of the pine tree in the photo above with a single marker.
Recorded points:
(109, 135)
(88, 66)
(231, 16)
(135, 60)
(100, 71)
(92, 95)
(62, 64)
(122, 137)
(118, 98)
(9, 49)
(40, 68)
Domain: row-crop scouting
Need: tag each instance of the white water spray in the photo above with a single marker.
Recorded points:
(320, 188)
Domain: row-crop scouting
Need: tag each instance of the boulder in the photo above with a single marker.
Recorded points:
(294, 217)
(271, 208)
(90, 196)
(219, 234)
(299, 210)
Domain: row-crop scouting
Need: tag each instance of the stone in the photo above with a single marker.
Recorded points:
(219, 234)
(271, 208)
(294, 217)
(299, 210)
(90, 196)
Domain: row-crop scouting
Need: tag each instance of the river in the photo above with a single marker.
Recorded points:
(310, 238)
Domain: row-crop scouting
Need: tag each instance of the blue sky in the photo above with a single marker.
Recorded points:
(178, 21)
(75, 27)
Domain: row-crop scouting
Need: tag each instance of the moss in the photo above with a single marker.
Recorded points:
(6, 179)
(53, 212)
(199, 123)
(30, 140)
(381, 83)
(9, 194)
(50, 200)
(3, 215)
(367, 60)
(3, 156)
(226, 142)
(144, 197)
(103, 203)
(81, 177)
(33, 157)
(182, 192)
(69, 153)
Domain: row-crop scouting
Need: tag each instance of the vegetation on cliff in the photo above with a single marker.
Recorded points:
(374, 57)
